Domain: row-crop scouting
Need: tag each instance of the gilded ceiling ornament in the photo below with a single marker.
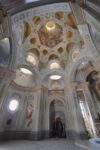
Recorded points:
(36, 20)
(60, 49)
(45, 52)
(70, 21)
(52, 37)
(33, 40)
(27, 30)
(59, 15)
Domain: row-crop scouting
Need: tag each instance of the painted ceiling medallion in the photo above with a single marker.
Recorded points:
(45, 52)
(33, 40)
(50, 34)
(55, 77)
(59, 15)
(36, 20)
(25, 71)
(60, 50)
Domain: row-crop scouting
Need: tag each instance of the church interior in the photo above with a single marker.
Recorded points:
(49, 74)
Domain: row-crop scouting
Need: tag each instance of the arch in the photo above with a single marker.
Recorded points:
(49, 72)
(60, 98)
(48, 102)
(57, 115)
(27, 81)
(71, 75)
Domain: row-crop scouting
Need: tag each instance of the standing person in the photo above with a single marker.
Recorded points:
(58, 127)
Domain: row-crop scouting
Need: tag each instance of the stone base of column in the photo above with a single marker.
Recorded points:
(24, 135)
(73, 135)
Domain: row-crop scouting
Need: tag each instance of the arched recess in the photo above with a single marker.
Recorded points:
(82, 87)
(48, 73)
(33, 78)
(51, 100)
(57, 116)
(83, 91)
(72, 73)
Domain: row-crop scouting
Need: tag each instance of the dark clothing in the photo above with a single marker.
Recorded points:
(58, 128)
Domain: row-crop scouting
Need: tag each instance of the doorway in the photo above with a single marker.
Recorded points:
(57, 119)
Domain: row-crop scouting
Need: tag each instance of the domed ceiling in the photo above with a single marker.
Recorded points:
(47, 31)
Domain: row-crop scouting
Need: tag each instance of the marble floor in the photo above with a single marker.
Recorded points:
(51, 144)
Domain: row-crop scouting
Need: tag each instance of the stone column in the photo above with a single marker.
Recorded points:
(75, 126)
(6, 76)
(45, 112)
(37, 125)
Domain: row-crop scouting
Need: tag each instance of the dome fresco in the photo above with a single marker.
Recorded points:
(48, 32)
(50, 38)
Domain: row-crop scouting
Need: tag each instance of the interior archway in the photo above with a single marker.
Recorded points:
(57, 119)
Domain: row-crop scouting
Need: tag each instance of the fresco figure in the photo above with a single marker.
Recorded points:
(29, 113)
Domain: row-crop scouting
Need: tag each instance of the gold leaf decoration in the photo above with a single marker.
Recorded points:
(27, 30)
(70, 21)
(45, 52)
(69, 34)
(33, 40)
(36, 20)
(59, 15)
(60, 50)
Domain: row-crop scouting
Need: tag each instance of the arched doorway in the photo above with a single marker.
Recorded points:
(57, 119)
